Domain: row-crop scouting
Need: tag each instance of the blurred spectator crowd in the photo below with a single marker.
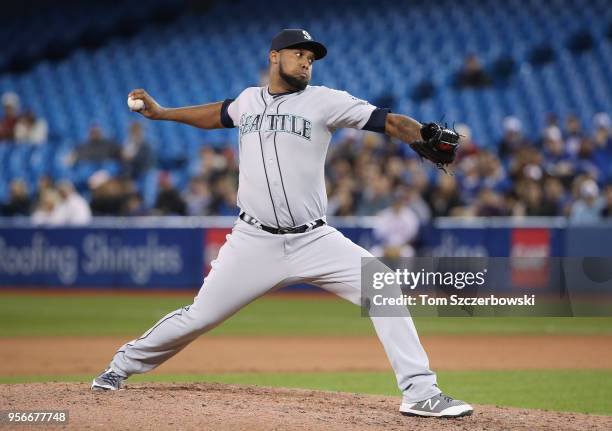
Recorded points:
(566, 171)
(22, 127)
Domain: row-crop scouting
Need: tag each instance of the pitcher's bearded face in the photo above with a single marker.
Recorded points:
(295, 67)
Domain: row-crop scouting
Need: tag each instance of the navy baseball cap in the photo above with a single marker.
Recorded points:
(298, 38)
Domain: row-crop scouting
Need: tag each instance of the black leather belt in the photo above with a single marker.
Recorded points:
(283, 230)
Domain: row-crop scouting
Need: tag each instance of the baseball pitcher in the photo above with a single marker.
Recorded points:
(281, 236)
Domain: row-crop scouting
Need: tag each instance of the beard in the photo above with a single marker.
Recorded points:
(296, 82)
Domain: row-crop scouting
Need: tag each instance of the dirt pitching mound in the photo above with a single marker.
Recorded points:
(210, 406)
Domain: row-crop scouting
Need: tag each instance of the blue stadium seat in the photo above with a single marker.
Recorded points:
(212, 56)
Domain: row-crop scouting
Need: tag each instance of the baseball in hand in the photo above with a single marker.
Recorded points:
(135, 104)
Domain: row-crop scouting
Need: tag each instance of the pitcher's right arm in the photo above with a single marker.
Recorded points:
(207, 116)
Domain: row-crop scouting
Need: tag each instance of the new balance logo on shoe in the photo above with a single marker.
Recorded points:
(428, 404)
(440, 406)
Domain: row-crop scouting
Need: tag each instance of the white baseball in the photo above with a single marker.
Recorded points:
(135, 104)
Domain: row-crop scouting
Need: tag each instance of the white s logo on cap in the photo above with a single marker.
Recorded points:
(306, 35)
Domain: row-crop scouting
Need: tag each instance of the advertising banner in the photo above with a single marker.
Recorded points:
(147, 257)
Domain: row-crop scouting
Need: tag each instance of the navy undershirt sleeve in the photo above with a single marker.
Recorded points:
(226, 120)
(377, 120)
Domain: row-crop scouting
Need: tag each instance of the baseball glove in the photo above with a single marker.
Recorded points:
(439, 145)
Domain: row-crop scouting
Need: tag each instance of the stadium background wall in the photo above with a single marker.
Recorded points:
(121, 254)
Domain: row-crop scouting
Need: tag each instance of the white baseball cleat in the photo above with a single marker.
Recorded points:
(439, 406)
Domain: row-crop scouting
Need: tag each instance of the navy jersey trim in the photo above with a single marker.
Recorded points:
(226, 120)
(279, 169)
(263, 158)
(282, 94)
(377, 120)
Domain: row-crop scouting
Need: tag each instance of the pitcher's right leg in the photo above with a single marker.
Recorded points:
(246, 268)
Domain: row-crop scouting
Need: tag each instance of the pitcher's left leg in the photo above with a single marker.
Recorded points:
(333, 262)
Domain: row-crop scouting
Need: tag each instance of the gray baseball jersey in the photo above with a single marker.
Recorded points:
(283, 142)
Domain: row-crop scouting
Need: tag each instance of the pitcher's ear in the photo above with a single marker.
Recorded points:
(273, 57)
